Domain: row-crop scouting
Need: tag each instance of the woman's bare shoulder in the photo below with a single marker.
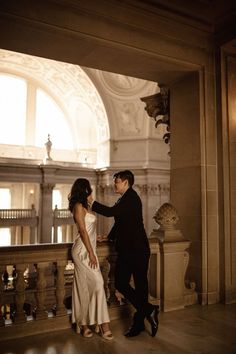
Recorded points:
(78, 208)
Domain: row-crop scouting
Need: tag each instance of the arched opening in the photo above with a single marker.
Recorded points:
(51, 98)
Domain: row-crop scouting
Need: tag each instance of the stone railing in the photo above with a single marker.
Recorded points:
(63, 218)
(17, 213)
(62, 214)
(36, 297)
(11, 217)
(23, 224)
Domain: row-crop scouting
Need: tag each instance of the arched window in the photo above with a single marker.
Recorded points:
(28, 114)
(51, 120)
(40, 97)
(5, 203)
(13, 98)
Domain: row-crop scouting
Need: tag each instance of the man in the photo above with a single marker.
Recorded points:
(133, 251)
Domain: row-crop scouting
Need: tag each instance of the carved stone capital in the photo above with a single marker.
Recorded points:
(47, 187)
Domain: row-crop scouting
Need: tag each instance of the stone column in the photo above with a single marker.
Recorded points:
(174, 260)
(46, 221)
(64, 234)
(32, 235)
(18, 235)
(193, 177)
(55, 234)
(68, 233)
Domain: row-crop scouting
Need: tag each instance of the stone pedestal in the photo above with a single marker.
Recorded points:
(174, 261)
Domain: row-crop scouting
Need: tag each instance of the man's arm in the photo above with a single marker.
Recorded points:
(105, 210)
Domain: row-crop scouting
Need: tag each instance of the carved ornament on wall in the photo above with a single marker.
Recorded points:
(158, 108)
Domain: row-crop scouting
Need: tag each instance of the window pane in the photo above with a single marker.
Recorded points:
(13, 94)
(5, 203)
(56, 198)
(51, 120)
(56, 201)
(5, 237)
(5, 198)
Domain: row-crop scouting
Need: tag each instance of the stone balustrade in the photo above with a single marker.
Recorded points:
(62, 214)
(36, 298)
(17, 213)
(12, 217)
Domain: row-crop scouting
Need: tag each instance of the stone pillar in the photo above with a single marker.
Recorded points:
(46, 221)
(64, 233)
(33, 239)
(194, 177)
(2, 268)
(55, 234)
(68, 233)
(18, 235)
(228, 202)
(173, 246)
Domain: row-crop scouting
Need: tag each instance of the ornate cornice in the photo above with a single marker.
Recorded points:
(151, 189)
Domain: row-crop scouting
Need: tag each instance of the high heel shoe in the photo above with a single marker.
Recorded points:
(105, 335)
(86, 333)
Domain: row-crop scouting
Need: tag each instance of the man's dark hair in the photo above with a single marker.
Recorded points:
(123, 175)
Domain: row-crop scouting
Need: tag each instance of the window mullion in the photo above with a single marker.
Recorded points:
(30, 115)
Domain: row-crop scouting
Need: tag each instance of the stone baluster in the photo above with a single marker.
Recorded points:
(20, 293)
(1, 295)
(60, 288)
(41, 290)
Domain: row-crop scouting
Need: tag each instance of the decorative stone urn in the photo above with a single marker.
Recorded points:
(167, 217)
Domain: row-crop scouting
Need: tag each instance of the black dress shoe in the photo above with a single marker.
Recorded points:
(153, 320)
(134, 331)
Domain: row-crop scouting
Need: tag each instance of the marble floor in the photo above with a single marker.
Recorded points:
(196, 329)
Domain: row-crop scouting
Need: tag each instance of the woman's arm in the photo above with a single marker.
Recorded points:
(79, 216)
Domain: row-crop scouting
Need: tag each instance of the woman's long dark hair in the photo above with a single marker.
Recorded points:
(80, 190)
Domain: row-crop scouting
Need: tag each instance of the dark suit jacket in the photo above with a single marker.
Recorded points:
(128, 230)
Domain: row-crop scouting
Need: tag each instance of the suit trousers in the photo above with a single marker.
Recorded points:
(134, 264)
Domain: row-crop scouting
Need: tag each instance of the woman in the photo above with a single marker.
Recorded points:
(89, 306)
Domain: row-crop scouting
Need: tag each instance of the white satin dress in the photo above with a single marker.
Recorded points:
(89, 305)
